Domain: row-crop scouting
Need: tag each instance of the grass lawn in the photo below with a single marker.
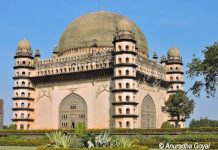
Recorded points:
(17, 148)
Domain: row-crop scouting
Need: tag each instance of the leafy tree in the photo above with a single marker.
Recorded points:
(166, 125)
(10, 127)
(179, 107)
(208, 68)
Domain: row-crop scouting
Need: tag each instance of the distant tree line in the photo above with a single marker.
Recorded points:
(203, 122)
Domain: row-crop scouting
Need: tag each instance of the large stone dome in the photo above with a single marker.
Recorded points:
(99, 27)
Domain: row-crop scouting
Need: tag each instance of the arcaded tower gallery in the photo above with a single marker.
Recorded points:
(99, 74)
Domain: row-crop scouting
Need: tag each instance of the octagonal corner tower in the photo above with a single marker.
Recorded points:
(99, 27)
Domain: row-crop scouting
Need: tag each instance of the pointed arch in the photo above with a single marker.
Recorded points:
(72, 109)
(148, 113)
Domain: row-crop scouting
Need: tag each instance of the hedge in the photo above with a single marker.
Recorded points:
(23, 142)
(124, 131)
(213, 145)
(138, 147)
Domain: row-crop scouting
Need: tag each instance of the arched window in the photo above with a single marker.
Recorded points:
(24, 63)
(119, 47)
(127, 111)
(127, 60)
(127, 72)
(177, 87)
(127, 98)
(119, 60)
(171, 68)
(177, 78)
(15, 115)
(23, 73)
(177, 68)
(119, 72)
(56, 70)
(127, 124)
(127, 47)
(21, 127)
(171, 87)
(120, 111)
(22, 94)
(120, 124)
(127, 85)
(28, 94)
(28, 105)
(22, 116)
(120, 85)
(28, 126)
(171, 78)
(22, 105)
(120, 98)
(16, 94)
(23, 84)
(28, 116)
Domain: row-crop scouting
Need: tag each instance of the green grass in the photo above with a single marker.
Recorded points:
(17, 148)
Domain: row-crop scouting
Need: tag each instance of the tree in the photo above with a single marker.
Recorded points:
(203, 122)
(179, 107)
(208, 68)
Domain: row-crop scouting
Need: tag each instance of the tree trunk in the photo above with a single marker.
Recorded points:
(177, 121)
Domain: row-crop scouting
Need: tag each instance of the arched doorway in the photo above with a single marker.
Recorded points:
(73, 109)
(148, 113)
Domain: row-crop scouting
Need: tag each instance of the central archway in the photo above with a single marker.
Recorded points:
(73, 109)
(148, 113)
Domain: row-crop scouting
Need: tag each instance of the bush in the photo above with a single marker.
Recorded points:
(166, 125)
(23, 142)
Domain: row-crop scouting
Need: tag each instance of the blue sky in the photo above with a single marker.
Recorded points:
(189, 25)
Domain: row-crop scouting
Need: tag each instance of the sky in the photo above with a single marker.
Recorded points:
(190, 25)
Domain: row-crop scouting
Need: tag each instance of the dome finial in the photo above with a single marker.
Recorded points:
(173, 52)
(24, 44)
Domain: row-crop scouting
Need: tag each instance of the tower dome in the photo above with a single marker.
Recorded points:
(124, 25)
(173, 52)
(24, 44)
(99, 27)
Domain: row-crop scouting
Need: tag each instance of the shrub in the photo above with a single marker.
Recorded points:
(121, 142)
(58, 139)
(80, 129)
(103, 140)
(166, 125)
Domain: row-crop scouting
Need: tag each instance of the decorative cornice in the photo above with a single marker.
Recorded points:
(23, 98)
(125, 65)
(82, 75)
(24, 67)
(152, 80)
(172, 91)
(19, 119)
(125, 116)
(21, 77)
(124, 39)
(124, 52)
(174, 72)
(180, 82)
(124, 77)
(125, 103)
(124, 90)
(20, 108)
(25, 56)
(25, 87)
